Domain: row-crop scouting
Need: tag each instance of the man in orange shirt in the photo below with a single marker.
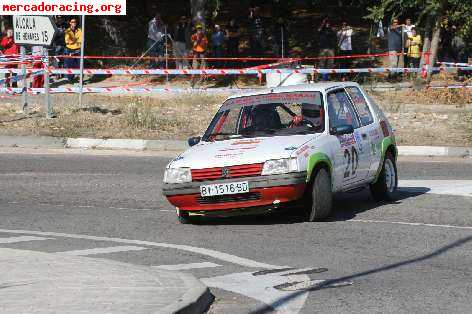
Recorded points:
(200, 44)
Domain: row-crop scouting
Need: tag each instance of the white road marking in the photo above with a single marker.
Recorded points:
(187, 266)
(21, 239)
(416, 224)
(102, 250)
(443, 187)
(262, 288)
(225, 257)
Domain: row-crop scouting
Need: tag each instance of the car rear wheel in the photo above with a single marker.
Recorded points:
(321, 197)
(387, 183)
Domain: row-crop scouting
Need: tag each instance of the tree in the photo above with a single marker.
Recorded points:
(435, 12)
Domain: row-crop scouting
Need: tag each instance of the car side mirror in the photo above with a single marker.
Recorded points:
(194, 141)
(342, 129)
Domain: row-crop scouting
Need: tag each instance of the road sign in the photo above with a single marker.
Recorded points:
(33, 30)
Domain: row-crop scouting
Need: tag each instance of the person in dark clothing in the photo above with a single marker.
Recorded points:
(181, 39)
(328, 41)
(233, 33)
(395, 43)
(218, 39)
(281, 38)
(256, 32)
(59, 43)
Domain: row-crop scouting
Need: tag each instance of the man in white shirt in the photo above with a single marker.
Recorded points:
(345, 44)
(408, 27)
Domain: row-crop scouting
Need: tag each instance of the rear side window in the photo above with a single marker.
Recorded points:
(360, 103)
(341, 111)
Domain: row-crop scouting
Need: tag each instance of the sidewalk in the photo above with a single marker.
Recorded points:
(33, 282)
(176, 146)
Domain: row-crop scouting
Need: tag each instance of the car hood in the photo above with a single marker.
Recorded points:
(240, 151)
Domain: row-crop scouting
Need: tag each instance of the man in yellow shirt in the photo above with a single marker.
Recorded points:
(73, 39)
(414, 46)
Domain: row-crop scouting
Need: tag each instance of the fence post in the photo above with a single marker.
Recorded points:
(24, 91)
(47, 96)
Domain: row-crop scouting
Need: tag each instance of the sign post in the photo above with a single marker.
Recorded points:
(81, 78)
(24, 90)
(35, 31)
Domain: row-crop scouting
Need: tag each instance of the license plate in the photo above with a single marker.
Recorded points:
(224, 188)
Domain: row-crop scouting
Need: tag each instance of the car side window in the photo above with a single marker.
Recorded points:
(340, 110)
(361, 105)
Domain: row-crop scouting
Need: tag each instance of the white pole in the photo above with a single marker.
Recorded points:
(82, 46)
(282, 37)
(47, 96)
(24, 97)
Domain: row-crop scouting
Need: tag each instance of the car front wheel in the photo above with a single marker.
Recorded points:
(387, 183)
(321, 197)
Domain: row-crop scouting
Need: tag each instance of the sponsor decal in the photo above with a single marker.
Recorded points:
(374, 135)
(270, 98)
(237, 149)
(228, 155)
(291, 148)
(246, 142)
(347, 140)
(303, 149)
(358, 139)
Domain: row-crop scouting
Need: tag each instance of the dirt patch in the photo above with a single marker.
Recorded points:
(431, 117)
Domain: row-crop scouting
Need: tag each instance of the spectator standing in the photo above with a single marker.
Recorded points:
(408, 27)
(414, 45)
(59, 43)
(181, 37)
(281, 38)
(218, 39)
(233, 34)
(73, 39)
(395, 44)
(156, 41)
(327, 44)
(345, 44)
(200, 45)
(256, 32)
(10, 49)
(38, 53)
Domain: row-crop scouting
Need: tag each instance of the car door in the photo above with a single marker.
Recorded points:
(369, 129)
(350, 163)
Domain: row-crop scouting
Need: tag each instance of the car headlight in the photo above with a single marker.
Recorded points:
(280, 166)
(177, 175)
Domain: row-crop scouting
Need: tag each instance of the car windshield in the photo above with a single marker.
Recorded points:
(268, 115)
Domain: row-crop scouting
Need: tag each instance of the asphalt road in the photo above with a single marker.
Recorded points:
(414, 255)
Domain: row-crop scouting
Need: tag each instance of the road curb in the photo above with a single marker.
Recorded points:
(178, 146)
(196, 300)
(185, 293)
(435, 151)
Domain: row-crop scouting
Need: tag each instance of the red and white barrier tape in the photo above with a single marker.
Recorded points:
(125, 90)
(235, 71)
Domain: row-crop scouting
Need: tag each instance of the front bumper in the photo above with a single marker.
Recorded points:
(263, 191)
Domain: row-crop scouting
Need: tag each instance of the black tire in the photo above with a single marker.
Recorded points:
(384, 189)
(321, 203)
(185, 218)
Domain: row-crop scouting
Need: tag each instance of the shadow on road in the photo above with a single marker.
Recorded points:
(331, 282)
(346, 206)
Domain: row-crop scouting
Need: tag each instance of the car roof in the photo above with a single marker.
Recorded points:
(307, 87)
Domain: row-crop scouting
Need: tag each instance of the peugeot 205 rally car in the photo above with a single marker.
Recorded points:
(297, 144)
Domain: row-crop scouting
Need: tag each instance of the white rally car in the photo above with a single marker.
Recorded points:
(289, 145)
